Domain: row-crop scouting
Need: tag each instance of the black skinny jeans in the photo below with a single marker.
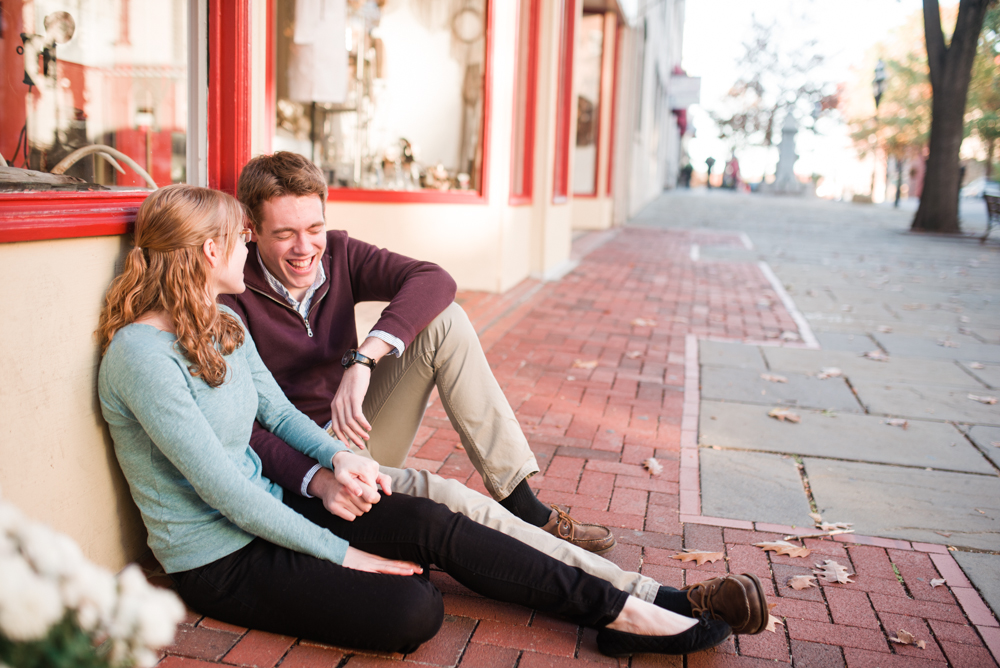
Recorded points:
(272, 588)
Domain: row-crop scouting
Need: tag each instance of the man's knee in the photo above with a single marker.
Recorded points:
(453, 321)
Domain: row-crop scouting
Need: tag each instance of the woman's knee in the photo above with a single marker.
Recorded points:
(416, 619)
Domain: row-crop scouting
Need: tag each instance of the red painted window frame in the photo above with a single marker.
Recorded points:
(399, 196)
(35, 216)
(525, 189)
(564, 102)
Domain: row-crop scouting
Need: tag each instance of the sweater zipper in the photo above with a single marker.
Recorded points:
(280, 303)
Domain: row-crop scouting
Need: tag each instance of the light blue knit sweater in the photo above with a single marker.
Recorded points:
(184, 448)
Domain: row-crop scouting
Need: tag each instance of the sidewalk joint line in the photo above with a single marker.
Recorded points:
(805, 331)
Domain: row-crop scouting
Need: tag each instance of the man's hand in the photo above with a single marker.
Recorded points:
(347, 421)
(360, 477)
(362, 561)
(336, 498)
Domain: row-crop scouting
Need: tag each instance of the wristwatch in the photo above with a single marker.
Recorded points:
(352, 357)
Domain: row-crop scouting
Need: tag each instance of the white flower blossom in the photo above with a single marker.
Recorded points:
(159, 614)
(93, 592)
(52, 554)
(29, 605)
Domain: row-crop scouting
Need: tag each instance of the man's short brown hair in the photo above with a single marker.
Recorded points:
(283, 173)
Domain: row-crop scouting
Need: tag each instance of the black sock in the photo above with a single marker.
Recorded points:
(523, 503)
(673, 600)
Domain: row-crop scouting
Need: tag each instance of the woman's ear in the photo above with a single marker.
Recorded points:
(212, 252)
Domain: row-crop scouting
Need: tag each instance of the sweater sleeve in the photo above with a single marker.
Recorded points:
(155, 391)
(416, 291)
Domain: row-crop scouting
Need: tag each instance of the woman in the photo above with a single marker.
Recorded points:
(180, 386)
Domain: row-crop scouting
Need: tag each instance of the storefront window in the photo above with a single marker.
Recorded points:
(587, 72)
(522, 153)
(383, 95)
(94, 94)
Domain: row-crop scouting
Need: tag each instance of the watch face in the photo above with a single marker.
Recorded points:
(348, 358)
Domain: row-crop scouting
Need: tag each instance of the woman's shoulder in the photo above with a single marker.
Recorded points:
(137, 350)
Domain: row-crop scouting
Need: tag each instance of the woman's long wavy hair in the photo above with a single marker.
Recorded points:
(168, 271)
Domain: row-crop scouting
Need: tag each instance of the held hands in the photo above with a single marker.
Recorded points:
(337, 499)
(362, 561)
(359, 480)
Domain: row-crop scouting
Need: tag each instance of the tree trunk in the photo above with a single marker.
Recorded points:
(950, 73)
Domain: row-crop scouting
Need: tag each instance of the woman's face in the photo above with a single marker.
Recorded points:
(229, 272)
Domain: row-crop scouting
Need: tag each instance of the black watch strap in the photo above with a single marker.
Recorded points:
(352, 357)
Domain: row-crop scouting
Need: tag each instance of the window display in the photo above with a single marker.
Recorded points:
(587, 72)
(94, 94)
(383, 95)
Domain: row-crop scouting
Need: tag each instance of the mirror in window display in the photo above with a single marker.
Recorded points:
(396, 104)
(93, 95)
(587, 73)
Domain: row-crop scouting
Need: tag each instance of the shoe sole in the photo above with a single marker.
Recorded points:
(615, 654)
(759, 590)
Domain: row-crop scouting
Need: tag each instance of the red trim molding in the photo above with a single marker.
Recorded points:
(522, 193)
(45, 215)
(564, 103)
(613, 103)
(270, 66)
(228, 91)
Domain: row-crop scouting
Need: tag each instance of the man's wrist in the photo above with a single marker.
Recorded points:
(321, 481)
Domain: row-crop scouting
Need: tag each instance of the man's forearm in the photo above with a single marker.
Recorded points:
(280, 462)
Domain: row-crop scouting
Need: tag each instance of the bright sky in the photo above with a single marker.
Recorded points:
(845, 29)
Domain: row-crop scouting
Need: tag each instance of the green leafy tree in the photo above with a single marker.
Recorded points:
(984, 89)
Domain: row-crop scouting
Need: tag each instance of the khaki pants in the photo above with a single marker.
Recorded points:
(447, 354)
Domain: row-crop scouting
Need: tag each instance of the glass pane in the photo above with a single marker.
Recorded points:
(587, 80)
(383, 95)
(94, 90)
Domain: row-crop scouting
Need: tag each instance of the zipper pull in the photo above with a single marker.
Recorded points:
(309, 330)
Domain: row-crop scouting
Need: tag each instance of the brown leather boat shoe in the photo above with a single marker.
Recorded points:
(736, 599)
(591, 537)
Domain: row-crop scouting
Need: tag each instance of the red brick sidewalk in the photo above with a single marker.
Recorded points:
(601, 368)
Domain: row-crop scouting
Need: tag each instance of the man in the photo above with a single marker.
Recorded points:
(302, 285)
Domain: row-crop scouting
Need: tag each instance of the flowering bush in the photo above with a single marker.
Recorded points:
(57, 609)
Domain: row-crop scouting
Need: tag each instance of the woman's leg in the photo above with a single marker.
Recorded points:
(486, 561)
(272, 588)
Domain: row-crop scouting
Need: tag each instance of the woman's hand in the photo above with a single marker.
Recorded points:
(362, 561)
(360, 476)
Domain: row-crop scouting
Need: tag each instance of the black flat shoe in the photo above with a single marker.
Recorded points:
(705, 634)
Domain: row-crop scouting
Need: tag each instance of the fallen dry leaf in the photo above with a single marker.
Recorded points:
(831, 571)
(906, 638)
(773, 378)
(995, 444)
(829, 372)
(983, 399)
(644, 322)
(915, 307)
(885, 329)
(947, 343)
(789, 336)
(817, 518)
(897, 422)
(784, 547)
(876, 355)
(633, 354)
(833, 526)
(783, 414)
(652, 466)
(771, 621)
(937, 582)
(582, 364)
(976, 365)
(698, 556)
(800, 582)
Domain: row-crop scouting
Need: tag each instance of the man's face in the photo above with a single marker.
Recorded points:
(292, 239)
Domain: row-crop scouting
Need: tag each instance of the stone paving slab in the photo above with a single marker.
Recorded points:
(846, 436)
(855, 343)
(752, 486)
(989, 375)
(746, 386)
(908, 503)
(855, 367)
(733, 355)
(928, 402)
(966, 348)
(987, 439)
(984, 571)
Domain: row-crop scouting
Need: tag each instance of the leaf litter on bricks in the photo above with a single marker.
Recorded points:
(698, 556)
(937, 582)
(644, 322)
(781, 547)
(896, 422)
(584, 364)
(800, 582)
(773, 378)
(789, 336)
(907, 638)
(829, 372)
(633, 354)
(831, 571)
(652, 466)
(783, 415)
(876, 356)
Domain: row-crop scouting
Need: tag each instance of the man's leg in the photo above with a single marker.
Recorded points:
(447, 353)
(486, 511)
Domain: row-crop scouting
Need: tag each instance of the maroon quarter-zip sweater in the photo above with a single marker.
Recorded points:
(304, 354)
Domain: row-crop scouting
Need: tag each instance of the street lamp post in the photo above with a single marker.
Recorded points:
(878, 88)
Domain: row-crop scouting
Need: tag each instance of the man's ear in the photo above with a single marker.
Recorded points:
(212, 252)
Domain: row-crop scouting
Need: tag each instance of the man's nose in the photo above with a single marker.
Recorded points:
(302, 244)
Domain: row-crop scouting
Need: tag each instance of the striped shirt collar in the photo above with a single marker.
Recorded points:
(302, 308)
